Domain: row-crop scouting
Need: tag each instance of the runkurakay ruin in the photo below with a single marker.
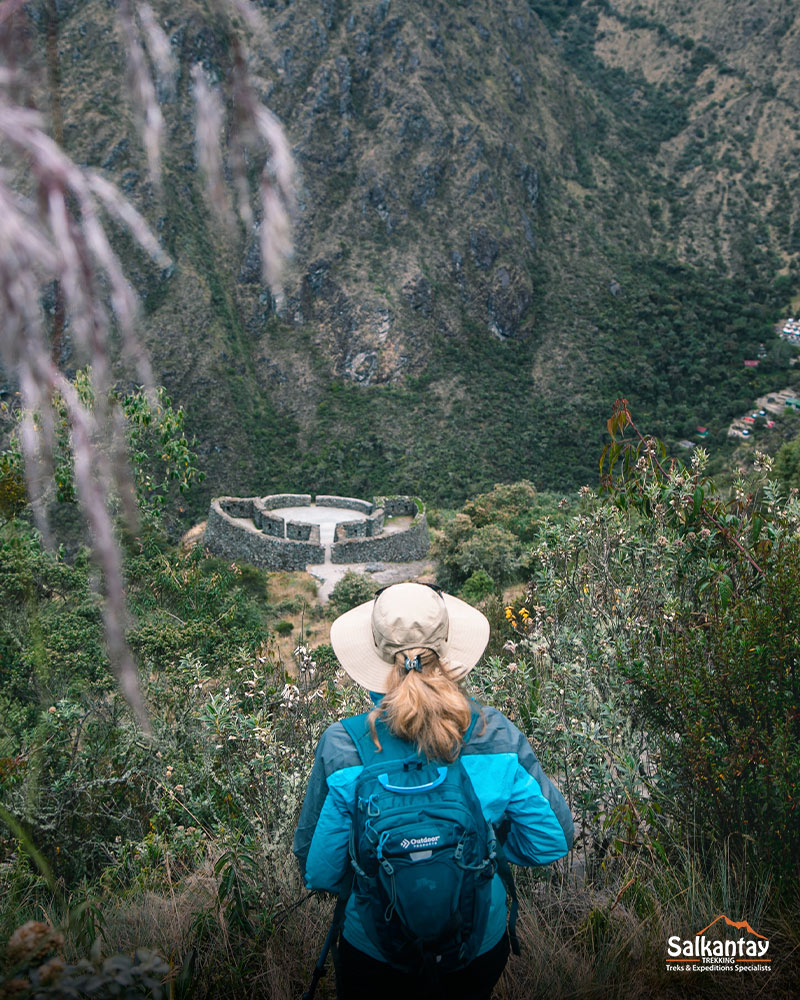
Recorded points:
(289, 531)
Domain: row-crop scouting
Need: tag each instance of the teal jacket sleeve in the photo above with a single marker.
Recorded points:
(328, 859)
(535, 814)
(536, 833)
(335, 752)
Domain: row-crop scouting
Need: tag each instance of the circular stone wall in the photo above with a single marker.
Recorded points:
(292, 530)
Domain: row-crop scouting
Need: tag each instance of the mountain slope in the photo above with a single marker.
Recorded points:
(509, 215)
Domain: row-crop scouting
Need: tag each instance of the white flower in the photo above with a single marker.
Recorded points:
(290, 694)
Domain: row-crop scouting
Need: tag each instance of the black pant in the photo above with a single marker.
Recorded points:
(360, 976)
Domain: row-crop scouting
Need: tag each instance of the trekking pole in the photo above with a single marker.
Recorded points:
(332, 935)
(319, 968)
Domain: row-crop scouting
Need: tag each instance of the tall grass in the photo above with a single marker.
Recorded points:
(604, 936)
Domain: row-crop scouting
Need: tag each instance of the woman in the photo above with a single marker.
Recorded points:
(411, 647)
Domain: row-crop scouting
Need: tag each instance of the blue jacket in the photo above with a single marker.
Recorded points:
(508, 781)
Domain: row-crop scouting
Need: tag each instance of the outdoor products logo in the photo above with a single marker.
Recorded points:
(418, 842)
(707, 953)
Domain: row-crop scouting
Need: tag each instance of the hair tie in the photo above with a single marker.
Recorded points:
(415, 664)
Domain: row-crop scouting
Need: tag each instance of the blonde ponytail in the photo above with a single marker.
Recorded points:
(424, 706)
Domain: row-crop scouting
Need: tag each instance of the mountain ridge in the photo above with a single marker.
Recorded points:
(504, 224)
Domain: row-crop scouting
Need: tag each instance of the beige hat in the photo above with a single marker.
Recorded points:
(405, 616)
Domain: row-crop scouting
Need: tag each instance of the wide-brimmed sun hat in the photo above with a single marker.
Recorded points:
(406, 616)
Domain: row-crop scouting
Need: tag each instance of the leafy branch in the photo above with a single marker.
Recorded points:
(646, 474)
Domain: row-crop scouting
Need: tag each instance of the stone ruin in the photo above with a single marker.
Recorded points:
(253, 530)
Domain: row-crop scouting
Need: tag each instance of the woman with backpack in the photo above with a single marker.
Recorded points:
(408, 804)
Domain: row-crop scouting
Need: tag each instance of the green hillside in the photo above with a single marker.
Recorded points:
(508, 218)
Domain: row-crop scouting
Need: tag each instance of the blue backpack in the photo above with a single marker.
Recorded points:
(423, 855)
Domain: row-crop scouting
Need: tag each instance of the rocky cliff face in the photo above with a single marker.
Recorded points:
(479, 186)
(426, 127)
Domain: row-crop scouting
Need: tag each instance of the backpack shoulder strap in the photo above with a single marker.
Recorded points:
(505, 873)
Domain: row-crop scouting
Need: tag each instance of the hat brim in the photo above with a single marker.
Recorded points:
(352, 641)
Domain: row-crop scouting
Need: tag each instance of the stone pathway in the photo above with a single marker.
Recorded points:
(383, 573)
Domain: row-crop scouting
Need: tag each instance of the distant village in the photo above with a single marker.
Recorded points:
(791, 331)
(766, 407)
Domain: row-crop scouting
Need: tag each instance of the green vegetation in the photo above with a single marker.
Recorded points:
(787, 464)
(652, 660)
(477, 587)
(673, 341)
(350, 591)
(501, 368)
(650, 647)
(162, 457)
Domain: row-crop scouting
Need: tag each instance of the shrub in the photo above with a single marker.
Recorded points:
(715, 673)
(514, 506)
(463, 548)
(478, 586)
(325, 658)
(787, 464)
(723, 689)
(493, 550)
(660, 631)
(353, 589)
